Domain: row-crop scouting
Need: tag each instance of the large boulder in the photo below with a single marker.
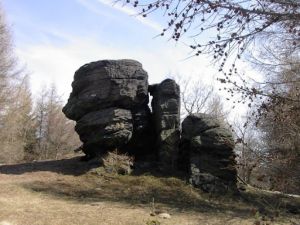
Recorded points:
(166, 119)
(109, 102)
(107, 83)
(207, 150)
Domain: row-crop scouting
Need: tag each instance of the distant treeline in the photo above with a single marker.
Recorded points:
(29, 129)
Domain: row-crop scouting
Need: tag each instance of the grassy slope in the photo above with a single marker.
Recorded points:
(71, 192)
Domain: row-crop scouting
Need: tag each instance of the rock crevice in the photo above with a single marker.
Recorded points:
(166, 117)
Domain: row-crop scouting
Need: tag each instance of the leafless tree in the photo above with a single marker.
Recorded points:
(281, 129)
(226, 26)
(269, 30)
(16, 122)
(27, 134)
(248, 147)
(197, 97)
(55, 133)
(272, 154)
(9, 70)
(15, 100)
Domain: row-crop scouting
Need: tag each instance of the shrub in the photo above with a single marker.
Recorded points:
(117, 163)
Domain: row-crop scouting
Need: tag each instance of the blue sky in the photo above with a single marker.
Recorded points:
(54, 38)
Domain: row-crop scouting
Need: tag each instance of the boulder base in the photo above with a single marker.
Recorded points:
(207, 146)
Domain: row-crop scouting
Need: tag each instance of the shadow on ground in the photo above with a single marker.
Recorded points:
(71, 166)
(167, 195)
(170, 193)
(144, 189)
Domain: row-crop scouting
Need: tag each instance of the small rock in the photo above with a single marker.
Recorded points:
(97, 204)
(164, 215)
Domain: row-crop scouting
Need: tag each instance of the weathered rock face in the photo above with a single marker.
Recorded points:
(166, 117)
(105, 129)
(141, 142)
(109, 102)
(107, 83)
(207, 150)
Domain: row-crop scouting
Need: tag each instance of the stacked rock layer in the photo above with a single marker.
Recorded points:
(109, 103)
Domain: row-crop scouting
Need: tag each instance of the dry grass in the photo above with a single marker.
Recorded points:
(117, 163)
(63, 192)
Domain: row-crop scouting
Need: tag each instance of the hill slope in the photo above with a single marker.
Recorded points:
(69, 191)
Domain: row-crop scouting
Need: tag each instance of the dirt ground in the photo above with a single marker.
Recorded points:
(70, 192)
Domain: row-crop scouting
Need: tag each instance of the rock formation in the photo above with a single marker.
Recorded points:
(166, 117)
(207, 146)
(109, 103)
